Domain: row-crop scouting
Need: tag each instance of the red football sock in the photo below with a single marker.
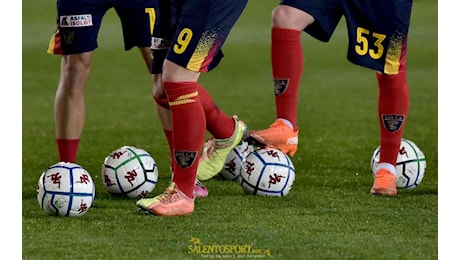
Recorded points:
(68, 149)
(287, 68)
(219, 124)
(393, 107)
(189, 126)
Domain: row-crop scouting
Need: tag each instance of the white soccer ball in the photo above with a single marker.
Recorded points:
(410, 165)
(267, 172)
(65, 189)
(234, 162)
(129, 171)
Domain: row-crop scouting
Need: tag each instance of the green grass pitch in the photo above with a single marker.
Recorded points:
(328, 214)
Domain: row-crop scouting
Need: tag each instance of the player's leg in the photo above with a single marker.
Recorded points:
(181, 71)
(288, 21)
(69, 104)
(164, 115)
(221, 126)
(386, 28)
(286, 49)
(75, 39)
(393, 107)
(186, 110)
(154, 57)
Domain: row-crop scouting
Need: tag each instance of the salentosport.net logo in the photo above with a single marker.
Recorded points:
(225, 250)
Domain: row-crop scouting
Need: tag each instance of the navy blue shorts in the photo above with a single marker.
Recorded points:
(78, 24)
(191, 33)
(377, 30)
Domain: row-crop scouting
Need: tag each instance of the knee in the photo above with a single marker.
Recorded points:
(288, 17)
(162, 101)
(76, 64)
(74, 74)
(173, 72)
(159, 95)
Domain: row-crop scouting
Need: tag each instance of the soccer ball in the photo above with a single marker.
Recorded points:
(65, 189)
(267, 172)
(234, 162)
(410, 165)
(129, 171)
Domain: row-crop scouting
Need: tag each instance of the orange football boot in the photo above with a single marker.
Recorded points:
(279, 136)
(384, 184)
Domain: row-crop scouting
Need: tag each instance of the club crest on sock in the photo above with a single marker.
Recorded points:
(280, 86)
(393, 122)
(185, 159)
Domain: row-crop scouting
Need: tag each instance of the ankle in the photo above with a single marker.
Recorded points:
(286, 122)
